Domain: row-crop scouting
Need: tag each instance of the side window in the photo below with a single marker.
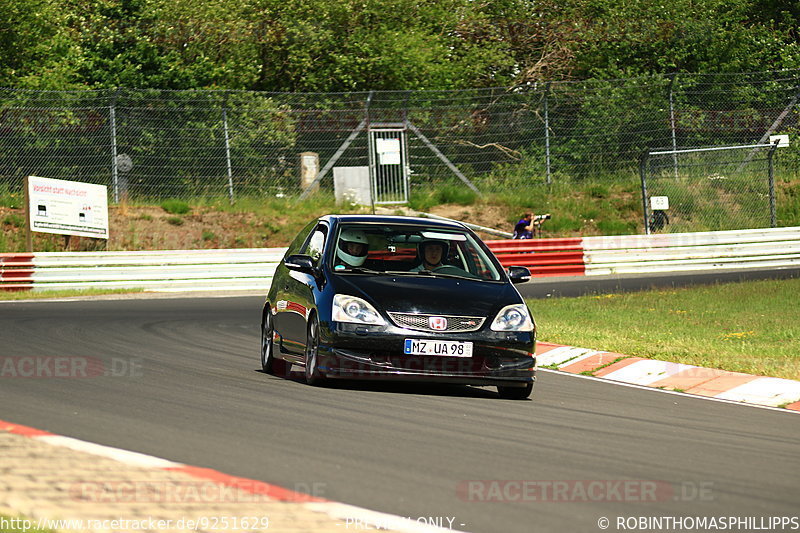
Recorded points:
(316, 243)
(302, 237)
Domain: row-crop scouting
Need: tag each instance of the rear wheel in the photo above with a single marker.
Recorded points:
(313, 375)
(508, 392)
(269, 364)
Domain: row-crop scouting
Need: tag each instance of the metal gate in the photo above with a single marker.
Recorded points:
(388, 163)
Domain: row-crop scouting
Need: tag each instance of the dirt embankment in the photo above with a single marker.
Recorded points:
(152, 228)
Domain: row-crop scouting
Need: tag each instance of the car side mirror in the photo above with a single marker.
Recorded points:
(301, 263)
(519, 274)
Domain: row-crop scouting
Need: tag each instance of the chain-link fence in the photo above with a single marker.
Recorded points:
(709, 189)
(150, 144)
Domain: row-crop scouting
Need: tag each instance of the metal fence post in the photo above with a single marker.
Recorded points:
(773, 217)
(643, 175)
(228, 153)
(672, 122)
(547, 133)
(114, 170)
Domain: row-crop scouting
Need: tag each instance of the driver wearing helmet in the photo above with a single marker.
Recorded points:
(432, 254)
(352, 247)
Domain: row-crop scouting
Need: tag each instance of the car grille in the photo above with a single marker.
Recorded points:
(421, 323)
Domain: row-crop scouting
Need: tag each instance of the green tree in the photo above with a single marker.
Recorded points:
(629, 38)
(344, 45)
(33, 36)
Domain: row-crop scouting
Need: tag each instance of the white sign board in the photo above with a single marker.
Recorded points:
(783, 140)
(659, 203)
(388, 151)
(68, 207)
(351, 185)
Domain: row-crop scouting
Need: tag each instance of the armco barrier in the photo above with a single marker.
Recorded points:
(252, 269)
(718, 250)
(544, 257)
(234, 269)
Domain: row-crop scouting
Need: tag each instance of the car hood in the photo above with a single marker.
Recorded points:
(429, 295)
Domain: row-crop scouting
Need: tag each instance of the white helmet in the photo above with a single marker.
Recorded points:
(353, 256)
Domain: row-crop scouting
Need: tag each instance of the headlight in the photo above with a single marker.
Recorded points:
(513, 318)
(351, 309)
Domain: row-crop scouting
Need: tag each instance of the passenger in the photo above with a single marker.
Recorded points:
(431, 254)
(352, 248)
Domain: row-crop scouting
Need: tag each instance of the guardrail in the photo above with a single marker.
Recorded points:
(717, 250)
(179, 270)
(252, 268)
(544, 257)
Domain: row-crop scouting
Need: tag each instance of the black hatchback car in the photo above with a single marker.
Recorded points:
(400, 298)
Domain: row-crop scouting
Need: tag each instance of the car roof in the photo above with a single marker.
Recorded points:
(393, 219)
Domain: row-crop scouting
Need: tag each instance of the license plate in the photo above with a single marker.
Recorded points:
(442, 348)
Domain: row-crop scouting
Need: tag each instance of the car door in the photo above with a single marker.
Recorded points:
(279, 296)
(296, 295)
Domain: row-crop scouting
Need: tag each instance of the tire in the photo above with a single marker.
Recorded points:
(313, 375)
(515, 393)
(269, 364)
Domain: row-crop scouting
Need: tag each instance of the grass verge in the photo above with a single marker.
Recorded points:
(749, 327)
(43, 295)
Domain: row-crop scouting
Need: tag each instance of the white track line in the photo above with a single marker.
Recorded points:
(664, 391)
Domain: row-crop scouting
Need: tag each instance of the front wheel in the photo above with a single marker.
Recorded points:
(313, 375)
(515, 392)
(269, 364)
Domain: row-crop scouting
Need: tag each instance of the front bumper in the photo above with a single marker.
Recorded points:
(376, 352)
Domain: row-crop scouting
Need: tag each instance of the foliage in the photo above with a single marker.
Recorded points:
(620, 39)
(456, 194)
(175, 207)
(14, 220)
(345, 45)
(460, 194)
(9, 198)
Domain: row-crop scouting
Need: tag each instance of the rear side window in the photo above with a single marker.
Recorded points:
(297, 243)
(316, 243)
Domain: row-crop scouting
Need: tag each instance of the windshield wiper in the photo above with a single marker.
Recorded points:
(431, 273)
(361, 270)
(409, 272)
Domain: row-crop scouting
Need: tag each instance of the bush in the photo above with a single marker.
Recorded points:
(421, 200)
(10, 199)
(16, 221)
(456, 194)
(175, 207)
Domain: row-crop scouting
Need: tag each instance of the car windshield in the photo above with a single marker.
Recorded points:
(400, 249)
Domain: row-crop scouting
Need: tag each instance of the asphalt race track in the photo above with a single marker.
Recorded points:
(187, 386)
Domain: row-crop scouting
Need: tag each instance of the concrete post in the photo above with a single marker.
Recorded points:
(309, 168)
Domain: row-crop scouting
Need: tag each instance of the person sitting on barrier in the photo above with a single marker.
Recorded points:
(431, 255)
